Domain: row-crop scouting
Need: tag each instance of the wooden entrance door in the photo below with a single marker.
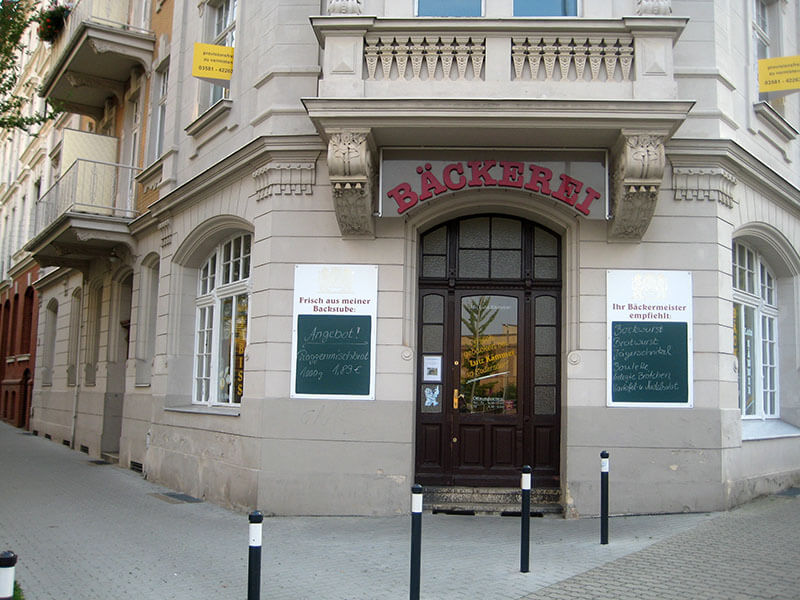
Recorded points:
(489, 340)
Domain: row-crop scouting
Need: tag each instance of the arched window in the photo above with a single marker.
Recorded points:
(222, 319)
(49, 342)
(755, 333)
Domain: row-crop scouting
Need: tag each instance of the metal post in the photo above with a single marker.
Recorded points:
(254, 560)
(8, 560)
(416, 539)
(525, 540)
(604, 497)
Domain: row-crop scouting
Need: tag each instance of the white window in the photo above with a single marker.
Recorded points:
(222, 321)
(147, 320)
(755, 330)
(545, 8)
(49, 342)
(222, 33)
(449, 8)
(160, 113)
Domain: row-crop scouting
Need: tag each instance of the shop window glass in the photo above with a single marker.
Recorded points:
(222, 322)
(755, 334)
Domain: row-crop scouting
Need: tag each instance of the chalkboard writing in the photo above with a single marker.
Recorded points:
(649, 362)
(333, 355)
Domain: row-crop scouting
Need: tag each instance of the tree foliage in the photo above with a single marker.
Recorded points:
(15, 17)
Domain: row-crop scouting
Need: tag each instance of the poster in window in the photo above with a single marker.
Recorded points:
(432, 368)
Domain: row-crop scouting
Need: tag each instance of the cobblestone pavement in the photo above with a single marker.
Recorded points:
(85, 531)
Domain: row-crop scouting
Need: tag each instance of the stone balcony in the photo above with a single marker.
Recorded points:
(502, 83)
(102, 44)
(562, 58)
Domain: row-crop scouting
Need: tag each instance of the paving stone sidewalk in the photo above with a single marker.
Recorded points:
(85, 531)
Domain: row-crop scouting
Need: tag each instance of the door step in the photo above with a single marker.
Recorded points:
(464, 500)
(110, 457)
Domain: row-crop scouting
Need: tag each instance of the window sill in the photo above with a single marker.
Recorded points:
(219, 109)
(199, 409)
(774, 118)
(768, 429)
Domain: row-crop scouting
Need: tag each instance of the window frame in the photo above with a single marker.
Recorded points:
(220, 31)
(214, 290)
(755, 303)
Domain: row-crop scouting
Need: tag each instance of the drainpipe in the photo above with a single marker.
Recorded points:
(78, 363)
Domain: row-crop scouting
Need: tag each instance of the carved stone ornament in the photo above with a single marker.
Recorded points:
(639, 163)
(165, 227)
(344, 7)
(714, 184)
(653, 7)
(288, 178)
(352, 176)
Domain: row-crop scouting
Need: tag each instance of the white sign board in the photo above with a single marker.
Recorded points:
(334, 331)
(649, 338)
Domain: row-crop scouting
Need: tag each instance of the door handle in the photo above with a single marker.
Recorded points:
(456, 398)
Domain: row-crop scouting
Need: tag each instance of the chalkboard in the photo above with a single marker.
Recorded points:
(333, 355)
(649, 362)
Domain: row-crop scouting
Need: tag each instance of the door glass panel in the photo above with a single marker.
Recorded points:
(545, 268)
(506, 233)
(545, 307)
(544, 400)
(544, 243)
(433, 309)
(544, 341)
(435, 242)
(544, 370)
(488, 355)
(474, 233)
(506, 264)
(473, 264)
(432, 336)
(434, 266)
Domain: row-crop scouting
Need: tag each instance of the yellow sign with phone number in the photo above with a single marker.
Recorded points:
(779, 74)
(213, 63)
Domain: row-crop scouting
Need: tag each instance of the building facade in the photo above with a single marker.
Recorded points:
(425, 241)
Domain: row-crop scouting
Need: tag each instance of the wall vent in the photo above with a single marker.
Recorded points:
(47, 436)
(136, 466)
(66, 443)
(85, 449)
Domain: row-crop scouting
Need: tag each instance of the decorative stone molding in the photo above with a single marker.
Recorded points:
(408, 53)
(714, 184)
(165, 227)
(288, 178)
(351, 171)
(638, 169)
(653, 7)
(344, 7)
(609, 58)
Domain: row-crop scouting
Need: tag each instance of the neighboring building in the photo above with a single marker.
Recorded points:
(425, 241)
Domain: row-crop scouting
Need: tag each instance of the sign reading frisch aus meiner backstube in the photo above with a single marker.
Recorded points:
(649, 338)
(334, 332)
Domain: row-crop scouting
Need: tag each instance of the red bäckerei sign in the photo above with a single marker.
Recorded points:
(576, 178)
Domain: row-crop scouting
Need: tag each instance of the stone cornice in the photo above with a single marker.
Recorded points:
(246, 159)
(741, 164)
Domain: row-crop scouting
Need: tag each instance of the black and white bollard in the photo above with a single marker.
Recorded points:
(8, 561)
(416, 540)
(604, 497)
(254, 560)
(525, 540)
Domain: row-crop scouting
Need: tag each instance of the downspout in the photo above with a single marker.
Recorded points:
(78, 363)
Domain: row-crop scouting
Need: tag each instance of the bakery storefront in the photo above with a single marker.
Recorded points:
(489, 308)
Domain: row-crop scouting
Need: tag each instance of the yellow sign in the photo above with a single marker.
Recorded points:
(779, 74)
(213, 63)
